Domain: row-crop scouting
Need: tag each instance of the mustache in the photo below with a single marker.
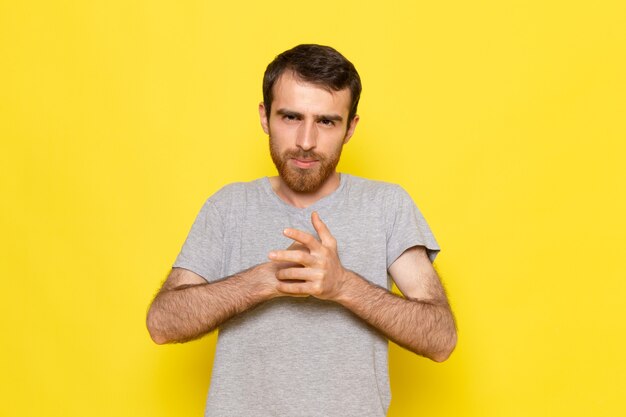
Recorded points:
(302, 154)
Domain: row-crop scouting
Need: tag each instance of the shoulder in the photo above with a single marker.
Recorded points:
(235, 194)
(374, 189)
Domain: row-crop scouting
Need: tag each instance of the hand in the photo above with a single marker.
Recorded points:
(266, 273)
(320, 274)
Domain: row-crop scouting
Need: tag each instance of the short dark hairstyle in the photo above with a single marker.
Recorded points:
(316, 64)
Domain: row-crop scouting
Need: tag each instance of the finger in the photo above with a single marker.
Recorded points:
(297, 273)
(284, 265)
(296, 289)
(298, 246)
(322, 230)
(305, 238)
(297, 256)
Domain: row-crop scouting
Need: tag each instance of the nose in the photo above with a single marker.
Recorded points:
(307, 136)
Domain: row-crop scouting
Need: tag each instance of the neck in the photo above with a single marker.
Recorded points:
(304, 200)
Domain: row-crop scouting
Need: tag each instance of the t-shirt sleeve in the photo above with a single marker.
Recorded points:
(407, 228)
(203, 248)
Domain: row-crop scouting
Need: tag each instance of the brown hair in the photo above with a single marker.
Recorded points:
(316, 64)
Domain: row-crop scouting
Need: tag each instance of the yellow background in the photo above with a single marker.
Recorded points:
(504, 120)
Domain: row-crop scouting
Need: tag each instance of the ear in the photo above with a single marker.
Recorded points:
(351, 128)
(265, 124)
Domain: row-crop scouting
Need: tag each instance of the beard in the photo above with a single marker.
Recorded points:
(304, 180)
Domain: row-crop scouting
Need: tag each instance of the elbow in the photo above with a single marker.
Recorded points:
(441, 356)
(446, 350)
(158, 338)
(156, 333)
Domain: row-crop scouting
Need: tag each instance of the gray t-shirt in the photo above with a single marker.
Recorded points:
(302, 356)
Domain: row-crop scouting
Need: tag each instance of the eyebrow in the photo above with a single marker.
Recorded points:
(332, 117)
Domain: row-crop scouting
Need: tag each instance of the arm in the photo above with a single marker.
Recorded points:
(422, 322)
(187, 307)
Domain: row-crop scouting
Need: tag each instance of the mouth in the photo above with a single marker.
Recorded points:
(304, 163)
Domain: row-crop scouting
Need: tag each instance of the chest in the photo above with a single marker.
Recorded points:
(361, 238)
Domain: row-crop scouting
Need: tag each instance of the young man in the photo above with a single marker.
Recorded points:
(293, 269)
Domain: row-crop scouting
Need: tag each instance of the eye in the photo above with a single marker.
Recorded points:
(290, 117)
(327, 122)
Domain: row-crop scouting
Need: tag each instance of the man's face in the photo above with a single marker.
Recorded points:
(307, 127)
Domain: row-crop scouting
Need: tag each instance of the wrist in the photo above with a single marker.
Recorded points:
(350, 287)
(256, 281)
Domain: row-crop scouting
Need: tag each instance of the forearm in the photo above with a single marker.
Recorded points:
(188, 312)
(424, 327)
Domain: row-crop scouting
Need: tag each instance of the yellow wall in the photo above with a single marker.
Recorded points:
(504, 120)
